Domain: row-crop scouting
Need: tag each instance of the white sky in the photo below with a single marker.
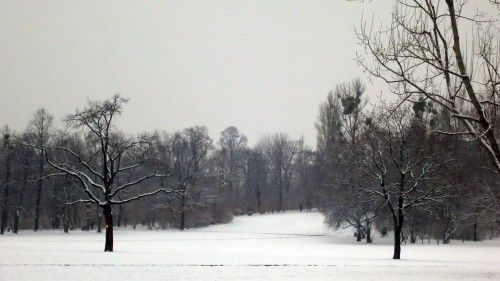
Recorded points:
(262, 66)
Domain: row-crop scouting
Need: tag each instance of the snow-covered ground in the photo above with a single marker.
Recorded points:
(289, 246)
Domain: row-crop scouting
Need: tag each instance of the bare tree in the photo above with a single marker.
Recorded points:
(422, 53)
(232, 145)
(329, 128)
(304, 179)
(41, 127)
(7, 184)
(255, 176)
(280, 151)
(342, 117)
(26, 154)
(189, 152)
(404, 170)
(97, 170)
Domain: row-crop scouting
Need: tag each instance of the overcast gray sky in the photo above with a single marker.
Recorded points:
(262, 66)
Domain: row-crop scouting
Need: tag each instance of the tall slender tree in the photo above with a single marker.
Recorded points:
(41, 127)
(7, 184)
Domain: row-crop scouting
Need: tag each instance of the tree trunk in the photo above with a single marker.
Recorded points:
(87, 216)
(398, 220)
(55, 211)
(120, 215)
(66, 218)
(75, 217)
(38, 194)
(359, 237)
(5, 211)
(55, 220)
(120, 207)
(259, 201)
(15, 227)
(368, 232)
(493, 147)
(108, 217)
(397, 242)
(20, 203)
(413, 238)
(99, 222)
(398, 227)
(182, 223)
(475, 238)
(280, 206)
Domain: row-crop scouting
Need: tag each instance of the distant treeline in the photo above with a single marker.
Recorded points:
(62, 178)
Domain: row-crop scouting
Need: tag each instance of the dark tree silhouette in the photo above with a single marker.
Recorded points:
(97, 170)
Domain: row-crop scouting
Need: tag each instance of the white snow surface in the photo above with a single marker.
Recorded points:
(285, 246)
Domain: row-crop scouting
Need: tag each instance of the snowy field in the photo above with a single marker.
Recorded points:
(290, 246)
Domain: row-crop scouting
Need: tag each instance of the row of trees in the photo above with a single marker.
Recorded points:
(383, 166)
(89, 174)
(429, 163)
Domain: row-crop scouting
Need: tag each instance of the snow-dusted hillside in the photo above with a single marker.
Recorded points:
(289, 246)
